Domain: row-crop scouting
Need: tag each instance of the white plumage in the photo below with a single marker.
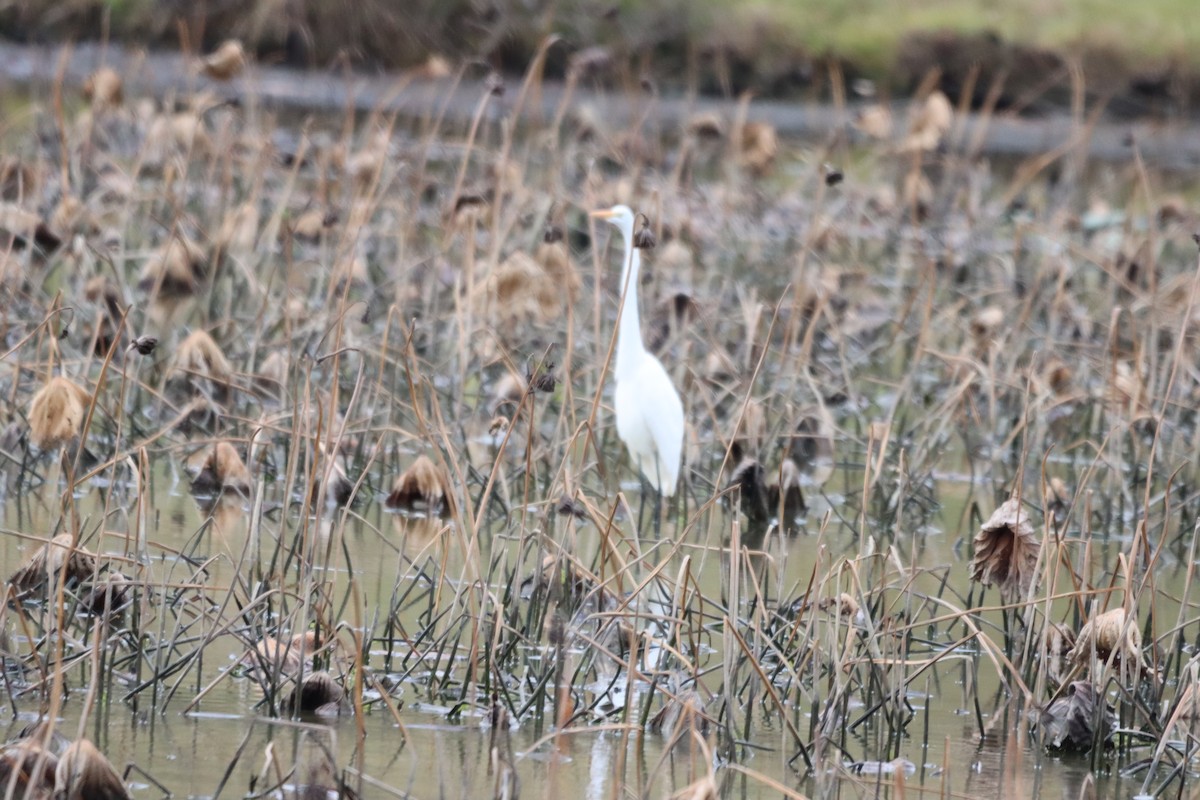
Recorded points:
(649, 410)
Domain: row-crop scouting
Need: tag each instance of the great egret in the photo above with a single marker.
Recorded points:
(649, 411)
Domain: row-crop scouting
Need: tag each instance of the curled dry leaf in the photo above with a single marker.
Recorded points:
(844, 605)
(104, 89)
(759, 148)
(176, 270)
(985, 326)
(57, 412)
(930, 121)
(84, 773)
(520, 290)
(226, 62)
(319, 694)
(28, 767)
(200, 364)
(1076, 721)
(706, 126)
(1107, 633)
(556, 571)
(875, 121)
(1059, 641)
(109, 596)
(283, 656)
(76, 564)
(681, 718)
(1006, 552)
(785, 496)
(222, 471)
(423, 487)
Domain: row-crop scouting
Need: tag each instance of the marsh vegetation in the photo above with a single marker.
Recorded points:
(312, 485)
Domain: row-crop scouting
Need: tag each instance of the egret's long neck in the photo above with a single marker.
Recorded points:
(629, 334)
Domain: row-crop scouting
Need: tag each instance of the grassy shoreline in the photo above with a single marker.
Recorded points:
(1146, 52)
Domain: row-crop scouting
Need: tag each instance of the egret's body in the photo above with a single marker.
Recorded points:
(649, 410)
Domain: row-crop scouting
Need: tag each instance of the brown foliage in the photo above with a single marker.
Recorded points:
(1006, 552)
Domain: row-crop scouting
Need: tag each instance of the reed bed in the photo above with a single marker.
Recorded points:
(883, 341)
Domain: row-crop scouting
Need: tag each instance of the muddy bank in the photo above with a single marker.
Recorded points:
(161, 74)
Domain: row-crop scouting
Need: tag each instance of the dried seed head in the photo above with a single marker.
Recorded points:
(495, 84)
(552, 233)
(833, 175)
(1006, 552)
(644, 238)
(144, 345)
(569, 507)
(542, 378)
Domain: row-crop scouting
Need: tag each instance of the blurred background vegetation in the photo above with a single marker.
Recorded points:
(1128, 48)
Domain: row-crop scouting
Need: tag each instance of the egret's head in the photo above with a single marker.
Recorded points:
(620, 216)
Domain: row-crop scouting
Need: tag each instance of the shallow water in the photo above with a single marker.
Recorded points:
(444, 751)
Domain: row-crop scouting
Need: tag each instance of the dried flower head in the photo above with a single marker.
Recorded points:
(1006, 552)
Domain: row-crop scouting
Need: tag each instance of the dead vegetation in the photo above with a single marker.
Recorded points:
(940, 443)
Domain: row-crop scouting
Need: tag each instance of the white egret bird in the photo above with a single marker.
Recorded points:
(649, 410)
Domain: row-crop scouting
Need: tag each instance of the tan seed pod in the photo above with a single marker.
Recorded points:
(84, 773)
(57, 412)
(57, 556)
(1006, 552)
(424, 486)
